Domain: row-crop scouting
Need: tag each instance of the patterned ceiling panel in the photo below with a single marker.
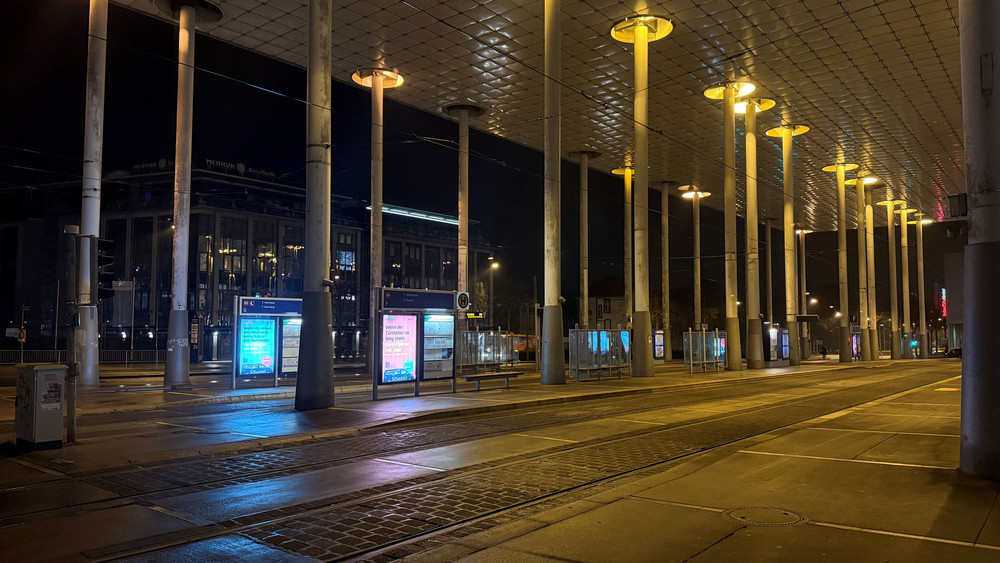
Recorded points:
(876, 80)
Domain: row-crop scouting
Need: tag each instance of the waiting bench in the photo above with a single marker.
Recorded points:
(504, 375)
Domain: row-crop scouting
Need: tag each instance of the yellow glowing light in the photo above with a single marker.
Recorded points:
(892, 202)
(867, 180)
(906, 210)
(802, 231)
(390, 78)
(495, 265)
(779, 131)
(763, 104)
(833, 167)
(926, 221)
(657, 27)
(691, 191)
(718, 91)
(622, 171)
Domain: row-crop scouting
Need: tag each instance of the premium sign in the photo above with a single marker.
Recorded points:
(257, 346)
(399, 348)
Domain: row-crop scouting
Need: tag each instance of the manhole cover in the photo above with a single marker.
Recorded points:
(765, 516)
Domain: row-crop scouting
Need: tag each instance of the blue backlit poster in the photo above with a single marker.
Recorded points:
(399, 348)
(257, 346)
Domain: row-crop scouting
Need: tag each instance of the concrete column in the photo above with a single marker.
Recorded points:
(734, 352)
(755, 336)
(640, 31)
(553, 362)
(921, 303)
(696, 216)
(626, 173)
(904, 249)
(695, 195)
(890, 211)
(378, 79)
(786, 132)
(665, 270)
(464, 112)
(85, 335)
(584, 157)
(314, 384)
(178, 358)
(628, 252)
(870, 249)
(803, 297)
(866, 350)
(845, 326)
(980, 449)
(768, 276)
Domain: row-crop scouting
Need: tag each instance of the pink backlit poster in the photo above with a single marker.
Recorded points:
(399, 348)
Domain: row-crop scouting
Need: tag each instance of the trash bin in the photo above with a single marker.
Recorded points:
(38, 407)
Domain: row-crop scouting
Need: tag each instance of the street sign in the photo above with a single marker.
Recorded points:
(270, 306)
(462, 300)
(476, 315)
(12, 332)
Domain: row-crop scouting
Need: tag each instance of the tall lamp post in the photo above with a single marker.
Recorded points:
(377, 79)
(786, 133)
(626, 173)
(803, 293)
(553, 363)
(665, 269)
(695, 195)
(921, 304)
(907, 336)
(177, 369)
(755, 330)
(728, 92)
(493, 267)
(640, 31)
(864, 314)
(845, 328)
(890, 211)
(584, 157)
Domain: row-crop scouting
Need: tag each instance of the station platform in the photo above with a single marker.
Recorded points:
(873, 482)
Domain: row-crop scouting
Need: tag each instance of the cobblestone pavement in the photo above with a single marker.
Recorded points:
(402, 518)
(177, 477)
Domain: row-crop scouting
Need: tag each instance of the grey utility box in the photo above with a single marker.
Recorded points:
(38, 410)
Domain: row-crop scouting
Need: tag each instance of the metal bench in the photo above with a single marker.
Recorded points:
(504, 375)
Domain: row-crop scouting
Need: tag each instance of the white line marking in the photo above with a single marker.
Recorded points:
(180, 425)
(545, 438)
(37, 467)
(908, 536)
(409, 464)
(886, 432)
(870, 462)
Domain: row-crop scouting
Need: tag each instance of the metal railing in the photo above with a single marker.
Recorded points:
(11, 357)
(596, 352)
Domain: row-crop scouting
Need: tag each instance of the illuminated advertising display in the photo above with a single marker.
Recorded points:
(291, 332)
(399, 348)
(439, 347)
(256, 346)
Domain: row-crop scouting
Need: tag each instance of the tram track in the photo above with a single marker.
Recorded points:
(501, 423)
(522, 481)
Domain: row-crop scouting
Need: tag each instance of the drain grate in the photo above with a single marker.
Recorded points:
(764, 516)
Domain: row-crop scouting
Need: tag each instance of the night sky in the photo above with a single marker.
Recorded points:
(250, 109)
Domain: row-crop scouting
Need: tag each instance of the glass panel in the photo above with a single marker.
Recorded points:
(141, 269)
(411, 266)
(450, 268)
(292, 261)
(232, 265)
(432, 267)
(164, 265)
(264, 281)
